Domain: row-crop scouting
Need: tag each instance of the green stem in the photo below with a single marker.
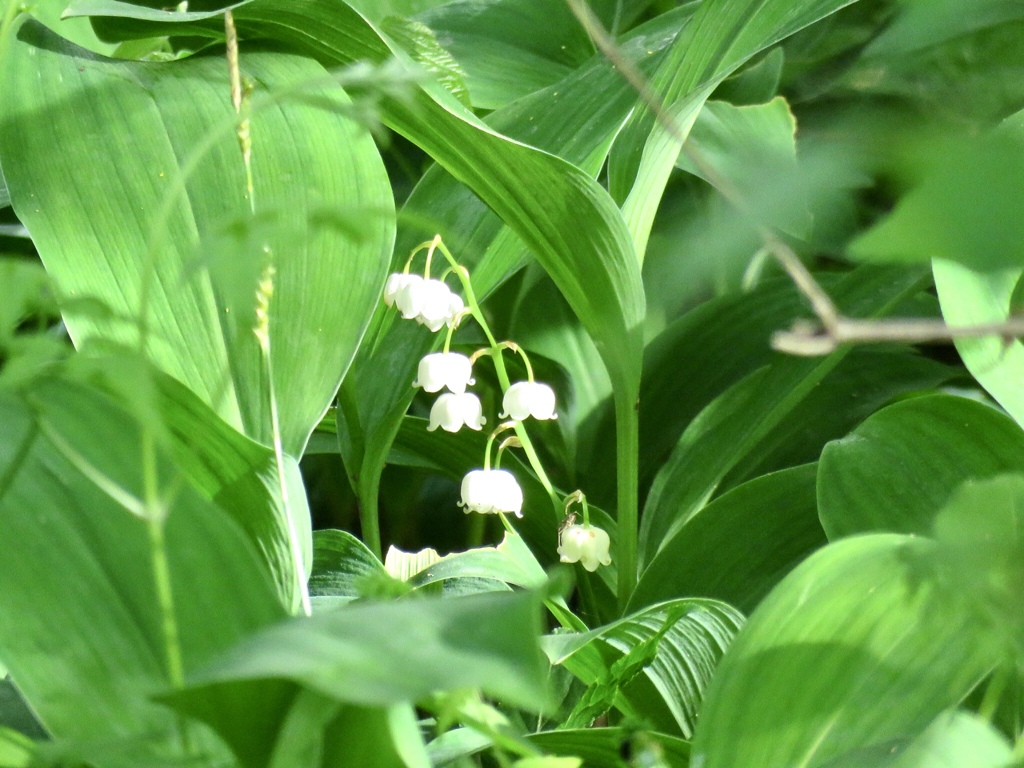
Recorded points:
(293, 534)
(155, 516)
(499, 367)
(368, 515)
(627, 444)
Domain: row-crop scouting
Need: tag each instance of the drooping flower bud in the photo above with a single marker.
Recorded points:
(451, 411)
(444, 369)
(490, 491)
(584, 544)
(529, 398)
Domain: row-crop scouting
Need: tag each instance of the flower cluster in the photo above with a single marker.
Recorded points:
(431, 303)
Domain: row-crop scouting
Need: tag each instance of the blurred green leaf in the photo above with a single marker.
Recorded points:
(851, 651)
(738, 547)
(82, 631)
(753, 148)
(381, 654)
(607, 747)
(980, 558)
(721, 37)
(684, 640)
(184, 162)
(970, 297)
(964, 208)
(957, 740)
(894, 472)
(16, 750)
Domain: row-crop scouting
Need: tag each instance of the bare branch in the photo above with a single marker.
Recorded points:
(803, 338)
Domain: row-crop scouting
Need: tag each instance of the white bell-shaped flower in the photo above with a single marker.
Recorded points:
(409, 295)
(435, 304)
(451, 411)
(396, 282)
(444, 369)
(529, 398)
(586, 545)
(490, 491)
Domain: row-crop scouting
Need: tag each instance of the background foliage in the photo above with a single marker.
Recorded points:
(226, 547)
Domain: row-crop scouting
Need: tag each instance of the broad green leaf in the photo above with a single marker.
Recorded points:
(975, 225)
(755, 408)
(851, 651)
(953, 61)
(582, 243)
(241, 477)
(969, 297)
(722, 36)
(341, 566)
(925, 23)
(81, 628)
(509, 48)
(677, 665)
(895, 471)
(740, 545)
(182, 183)
(388, 653)
(754, 149)
(510, 562)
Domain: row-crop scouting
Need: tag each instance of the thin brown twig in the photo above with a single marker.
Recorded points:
(833, 328)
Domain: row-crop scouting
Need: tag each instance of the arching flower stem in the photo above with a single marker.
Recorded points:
(429, 246)
(499, 366)
(578, 497)
(490, 441)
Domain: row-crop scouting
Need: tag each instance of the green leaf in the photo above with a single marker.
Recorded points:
(16, 750)
(606, 747)
(753, 148)
(510, 562)
(598, 747)
(980, 558)
(957, 740)
(895, 471)
(511, 48)
(850, 651)
(962, 209)
(722, 36)
(387, 653)
(738, 547)
(420, 42)
(680, 643)
(81, 628)
(582, 243)
(779, 416)
(342, 565)
(969, 297)
(183, 182)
